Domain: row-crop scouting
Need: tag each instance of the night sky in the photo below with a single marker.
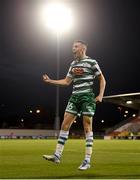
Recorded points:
(28, 50)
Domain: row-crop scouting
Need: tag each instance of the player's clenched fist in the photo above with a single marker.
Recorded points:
(46, 78)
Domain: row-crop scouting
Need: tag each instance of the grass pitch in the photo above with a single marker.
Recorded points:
(111, 159)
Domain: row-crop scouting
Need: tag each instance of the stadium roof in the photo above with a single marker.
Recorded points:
(131, 100)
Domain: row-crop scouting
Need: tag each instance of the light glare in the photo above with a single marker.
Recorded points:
(128, 102)
(37, 111)
(58, 17)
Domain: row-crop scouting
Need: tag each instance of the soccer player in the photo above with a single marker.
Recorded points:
(82, 72)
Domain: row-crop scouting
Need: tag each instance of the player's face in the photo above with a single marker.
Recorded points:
(77, 48)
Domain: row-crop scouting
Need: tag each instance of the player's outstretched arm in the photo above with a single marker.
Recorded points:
(64, 82)
(102, 84)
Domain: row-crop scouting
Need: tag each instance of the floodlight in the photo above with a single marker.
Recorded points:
(58, 17)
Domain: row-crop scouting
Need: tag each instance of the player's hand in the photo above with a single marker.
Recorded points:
(46, 78)
(98, 99)
(78, 71)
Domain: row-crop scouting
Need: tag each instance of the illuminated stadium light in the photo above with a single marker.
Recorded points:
(37, 111)
(128, 102)
(119, 108)
(22, 120)
(58, 17)
(134, 115)
(125, 115)
(31, 111)
(126, 112)
(102, 121)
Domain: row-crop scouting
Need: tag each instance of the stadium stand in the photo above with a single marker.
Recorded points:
(129, 128)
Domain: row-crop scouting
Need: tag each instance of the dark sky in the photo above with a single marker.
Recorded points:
(28, 49)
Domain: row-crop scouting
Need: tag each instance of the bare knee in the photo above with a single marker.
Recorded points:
(67, 122)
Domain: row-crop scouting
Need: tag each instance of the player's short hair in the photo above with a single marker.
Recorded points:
(82, 42)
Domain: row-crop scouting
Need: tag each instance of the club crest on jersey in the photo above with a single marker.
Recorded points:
(78, 71)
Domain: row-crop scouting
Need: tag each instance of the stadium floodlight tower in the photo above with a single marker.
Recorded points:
(59, 19)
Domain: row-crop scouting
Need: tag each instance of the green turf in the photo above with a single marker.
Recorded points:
(111, 159)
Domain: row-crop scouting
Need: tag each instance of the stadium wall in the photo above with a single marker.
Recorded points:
(42, 134)
(28, 133)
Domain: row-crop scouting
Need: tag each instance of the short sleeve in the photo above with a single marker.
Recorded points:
(69, 73)
(96, 69)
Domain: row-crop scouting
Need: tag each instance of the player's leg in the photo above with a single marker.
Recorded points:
(87, 123)
(64, 132)
(88, 110)
(69, 117)
(63, 136)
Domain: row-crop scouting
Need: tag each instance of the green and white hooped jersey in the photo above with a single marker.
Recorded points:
(84, 83)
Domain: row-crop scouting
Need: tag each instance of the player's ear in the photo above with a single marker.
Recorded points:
(83, 49)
